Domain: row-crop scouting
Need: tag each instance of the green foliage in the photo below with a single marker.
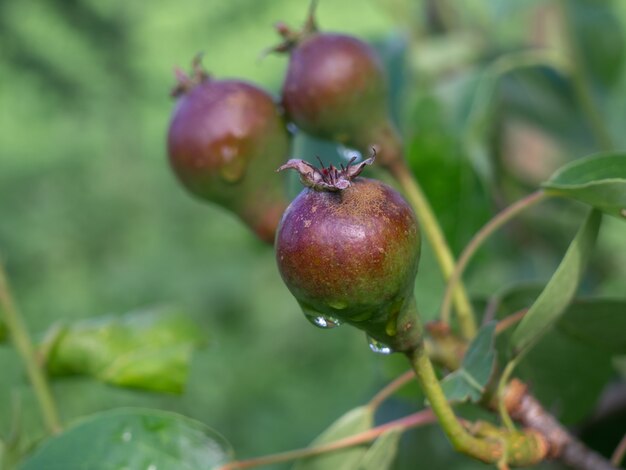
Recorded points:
(148, 349)
(559, 291)
(568, 368)
(599, 181)
(354, 421)
(599, 323)
(434, 148)
(133, 438)
(381, 455)
(468, 383)
(596, 43)
(378, 456)
(566, 375)
(93, 222)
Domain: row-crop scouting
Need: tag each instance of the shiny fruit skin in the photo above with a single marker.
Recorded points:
(225, 140)
(336, 89)
(351, 254)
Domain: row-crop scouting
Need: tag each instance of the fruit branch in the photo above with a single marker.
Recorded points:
(449, 349)
(25, 347)
(543, 436)
(432, 229)
(528, 411)
(408, 422)
(497, 446)
(476, 242)
(521, 405)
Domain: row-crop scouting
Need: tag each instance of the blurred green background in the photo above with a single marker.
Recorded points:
(93, 221)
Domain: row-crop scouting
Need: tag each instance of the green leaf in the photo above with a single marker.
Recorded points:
(504, 84)
(518, 296)
(566, 375)
(544, 98)
(469, 381)
(598, 180)
(353, 422)
(568, 368)
(381, 454)
(480, 125)
(598, 38)
(600, 323)
(559, 291)
(148, 349)
(597, 322)
(133, 438)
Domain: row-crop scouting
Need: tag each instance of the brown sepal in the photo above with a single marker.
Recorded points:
(328, 178)
(187, 82)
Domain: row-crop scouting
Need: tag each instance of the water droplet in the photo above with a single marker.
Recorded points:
(151, 467)
(127, 436)
(322, 321)
(623, 213)
(378, 347)
(319, 319)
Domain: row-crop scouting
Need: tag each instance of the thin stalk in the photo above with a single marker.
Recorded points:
(527, 448)
(476, 242)
(396, 384)
(511, 320)
(486, 450)
(391, 388)
(417, 419)
(25, 347)
(434, 234)
(619, 452)
(502, 410)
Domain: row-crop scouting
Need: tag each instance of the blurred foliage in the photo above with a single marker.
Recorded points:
(93, 222)
(134, 438)
(599, 181)
(553, 366)
(357, 420)
(149, 349)
(469, 382)
(559, 291)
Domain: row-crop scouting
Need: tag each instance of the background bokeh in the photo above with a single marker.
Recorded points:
(93, 222)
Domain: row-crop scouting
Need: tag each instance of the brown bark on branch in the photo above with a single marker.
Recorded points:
(526, 409)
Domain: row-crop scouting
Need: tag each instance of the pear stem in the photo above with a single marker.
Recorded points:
(477, 241)
(24, 346)
(434, 234)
